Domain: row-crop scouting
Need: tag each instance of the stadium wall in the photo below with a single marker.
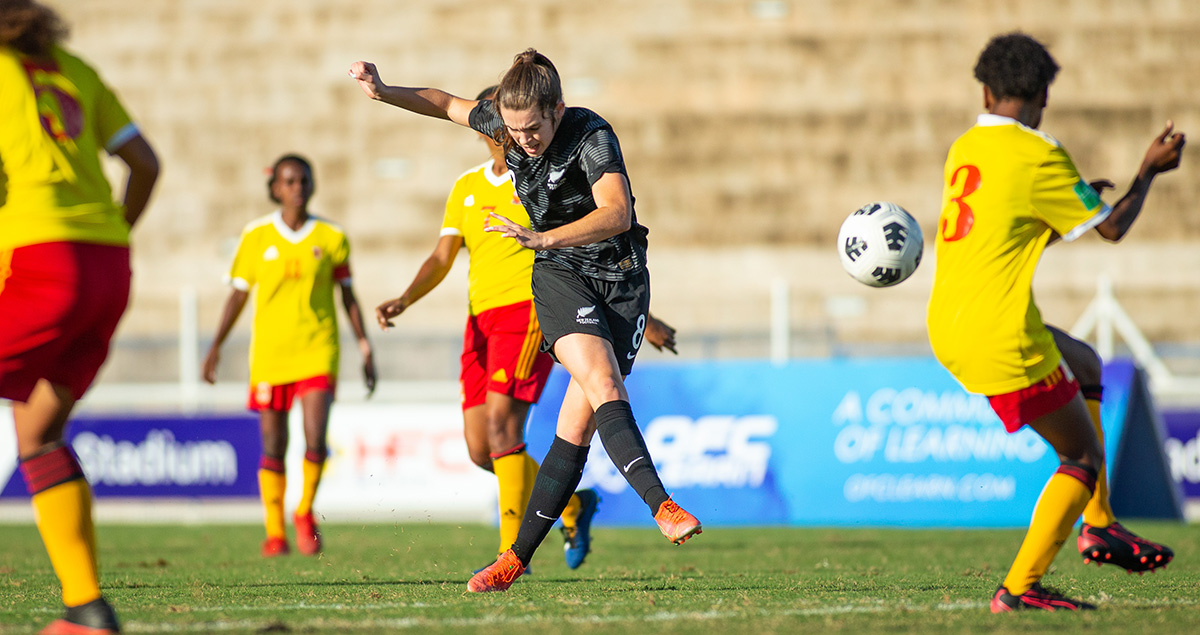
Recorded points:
(751, 128)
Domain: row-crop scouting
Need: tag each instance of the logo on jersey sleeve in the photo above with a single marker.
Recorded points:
(1087, 195)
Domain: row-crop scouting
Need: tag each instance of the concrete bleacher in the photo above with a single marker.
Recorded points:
(751, 128)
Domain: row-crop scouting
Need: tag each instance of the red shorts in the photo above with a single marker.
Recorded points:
(264, 396)
(501, 354)
(59, 306)
(1018, 408)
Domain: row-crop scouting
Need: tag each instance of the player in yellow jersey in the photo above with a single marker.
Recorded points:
(64, 275)
(503, 370)
(295, 259)
(1010, 191)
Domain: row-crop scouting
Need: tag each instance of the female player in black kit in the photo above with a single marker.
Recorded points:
(590, 283)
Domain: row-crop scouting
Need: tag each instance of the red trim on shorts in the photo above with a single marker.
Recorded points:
(264, 396)
(271, 464)
(52, 468)
(1023, 406)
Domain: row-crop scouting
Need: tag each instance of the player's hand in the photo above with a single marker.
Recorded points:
(368, 78)
(1102, 184)
(660, 334)
(369, 375)
(388, 310)
(209, 370)
(1165, 151)
(524, 236)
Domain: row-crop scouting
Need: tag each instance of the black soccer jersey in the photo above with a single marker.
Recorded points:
(556, 189)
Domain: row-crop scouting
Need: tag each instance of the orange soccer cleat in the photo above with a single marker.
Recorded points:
(675, 523)
(499, 575)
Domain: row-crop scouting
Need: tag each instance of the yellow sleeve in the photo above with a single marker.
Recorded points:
(243, 273)
(453, 220)
(340, 259)
(1062, 199)
(113, 126)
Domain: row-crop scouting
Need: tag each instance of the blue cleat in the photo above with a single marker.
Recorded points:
(577, 541)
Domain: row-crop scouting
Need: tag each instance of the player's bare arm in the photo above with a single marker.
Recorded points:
(143, 173)
(354, 312)
(428, 277)
(613, 215)
(1163, 155)
(229, 315)
(430, 102)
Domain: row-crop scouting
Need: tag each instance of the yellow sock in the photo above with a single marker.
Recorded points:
(570, 513)
(531, 470)
(64, 518)
(314, 465)
(1099, 511)
(515, 487)
(1057, 509)
(271, 486)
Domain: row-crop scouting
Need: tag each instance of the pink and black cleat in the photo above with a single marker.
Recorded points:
(1117, 545)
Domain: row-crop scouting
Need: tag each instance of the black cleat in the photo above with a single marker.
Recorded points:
(1117, 545)
(1037, 597)
(94, 618)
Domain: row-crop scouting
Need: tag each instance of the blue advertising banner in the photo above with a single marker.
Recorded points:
(882, 442)
(171, 456)
(1182, 447)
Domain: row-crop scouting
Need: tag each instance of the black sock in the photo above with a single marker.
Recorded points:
(627, 449)
(556, 480)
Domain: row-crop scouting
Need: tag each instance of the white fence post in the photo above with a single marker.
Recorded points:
(189, 350)
(781, 322)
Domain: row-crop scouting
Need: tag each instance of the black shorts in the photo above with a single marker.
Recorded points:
(568, 302)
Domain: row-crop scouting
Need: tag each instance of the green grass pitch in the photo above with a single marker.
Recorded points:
(412, 578)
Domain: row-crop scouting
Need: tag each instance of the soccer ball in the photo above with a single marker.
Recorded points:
(880, 244)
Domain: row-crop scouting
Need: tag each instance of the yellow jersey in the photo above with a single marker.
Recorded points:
(1008, 190)
(295, 333)
(56, 115)
(501, 271)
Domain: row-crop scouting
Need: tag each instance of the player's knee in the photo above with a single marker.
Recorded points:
(480, 457)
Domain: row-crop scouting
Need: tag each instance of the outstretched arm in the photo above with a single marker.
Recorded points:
(350, 302)
(1162, 156)
(431, 273)
(233, 308)
(430, 102)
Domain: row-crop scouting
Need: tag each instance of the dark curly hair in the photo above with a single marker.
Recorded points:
(30, 27)
(1015, 65)
(274, 173)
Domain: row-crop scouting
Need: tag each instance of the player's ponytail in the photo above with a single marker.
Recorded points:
(531, 82)
(30, 27)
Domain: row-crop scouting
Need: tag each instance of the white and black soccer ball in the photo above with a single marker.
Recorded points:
(880, 244)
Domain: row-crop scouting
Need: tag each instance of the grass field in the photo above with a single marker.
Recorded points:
(412, 578)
